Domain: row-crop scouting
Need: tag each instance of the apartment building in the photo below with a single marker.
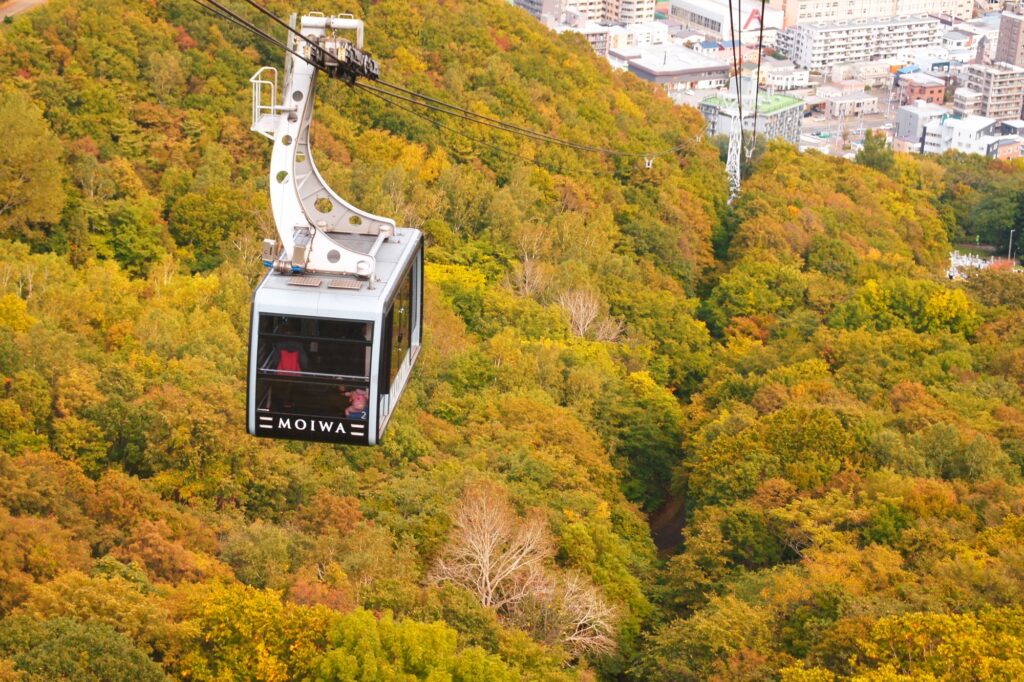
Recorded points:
(598, 35)
(639, 35)
(995, 91)
(712, 18)
(778, 116)
(798, 12)
(1011, 39)
(604, 11)
(822, 45)
(630, 12)
(545, 10)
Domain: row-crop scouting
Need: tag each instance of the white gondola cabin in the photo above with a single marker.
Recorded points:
(329, 356)
(337, 322)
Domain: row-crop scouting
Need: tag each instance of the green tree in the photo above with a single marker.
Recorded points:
(61, 648)
(876, 152)
(30, 170)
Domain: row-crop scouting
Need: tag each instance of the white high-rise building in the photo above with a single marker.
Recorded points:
(630, 11)
(819, 46)
(816, 11)
(626, 12)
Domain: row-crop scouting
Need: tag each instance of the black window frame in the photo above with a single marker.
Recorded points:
(307, 381)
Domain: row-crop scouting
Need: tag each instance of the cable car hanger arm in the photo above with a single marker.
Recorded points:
(312, 220)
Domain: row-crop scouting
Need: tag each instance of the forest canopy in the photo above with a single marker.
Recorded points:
(839, 425)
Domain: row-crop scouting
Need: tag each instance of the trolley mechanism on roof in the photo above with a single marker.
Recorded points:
(337, 322)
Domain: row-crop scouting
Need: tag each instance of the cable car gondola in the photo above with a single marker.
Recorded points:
(336, 324)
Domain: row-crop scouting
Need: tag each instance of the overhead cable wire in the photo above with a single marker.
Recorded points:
(220, 10)
(736, 61)
(522, 132)
(511, 127)
(757, 79)
(433, 121)
(463, 112)
(425, 101)
(263, 10)
(454, 107)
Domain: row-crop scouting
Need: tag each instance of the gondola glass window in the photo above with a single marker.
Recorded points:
(313, 367)
(400, 321)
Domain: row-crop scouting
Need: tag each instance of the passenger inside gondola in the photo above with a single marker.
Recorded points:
(358, 403)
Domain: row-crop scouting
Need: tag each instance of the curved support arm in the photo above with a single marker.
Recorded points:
(309, 215)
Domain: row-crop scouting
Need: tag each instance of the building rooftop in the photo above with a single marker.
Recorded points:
(924, 108)
(923, 79)
(586, 28)
(998, 67)
(853, 97)
(971, 124)
(880, 22)
(766, 104)
(669, 60)
(626, 53)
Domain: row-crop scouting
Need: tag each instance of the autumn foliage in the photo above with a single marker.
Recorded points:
(840, 426)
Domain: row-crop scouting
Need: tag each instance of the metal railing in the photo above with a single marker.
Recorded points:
(264, 98)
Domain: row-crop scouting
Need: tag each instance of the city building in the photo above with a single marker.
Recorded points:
(545, 10)
(852, 105)
(911, 120)
(679, 68)
(873, 74)
(995, 91)
(987, 6)
(1014, 127)
(966, 101)
(914, 87)
(798, 12)
(957, 40)
(778, 75)
(1006, 148)
(819, 46)
(625, 12)
(596, 34)
(1011, 39)
(640, 35)
(985, 30)
(604, 37)
(970, 135)
(630, 11)
(712, 17)
(778, 116)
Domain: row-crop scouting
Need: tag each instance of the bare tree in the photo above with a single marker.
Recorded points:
(532, 275)
(493, 553)
(583, 307)
(501, 558)
(608, 329)
(589, 622)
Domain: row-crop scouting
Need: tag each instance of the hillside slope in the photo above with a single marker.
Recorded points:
(846, 425)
